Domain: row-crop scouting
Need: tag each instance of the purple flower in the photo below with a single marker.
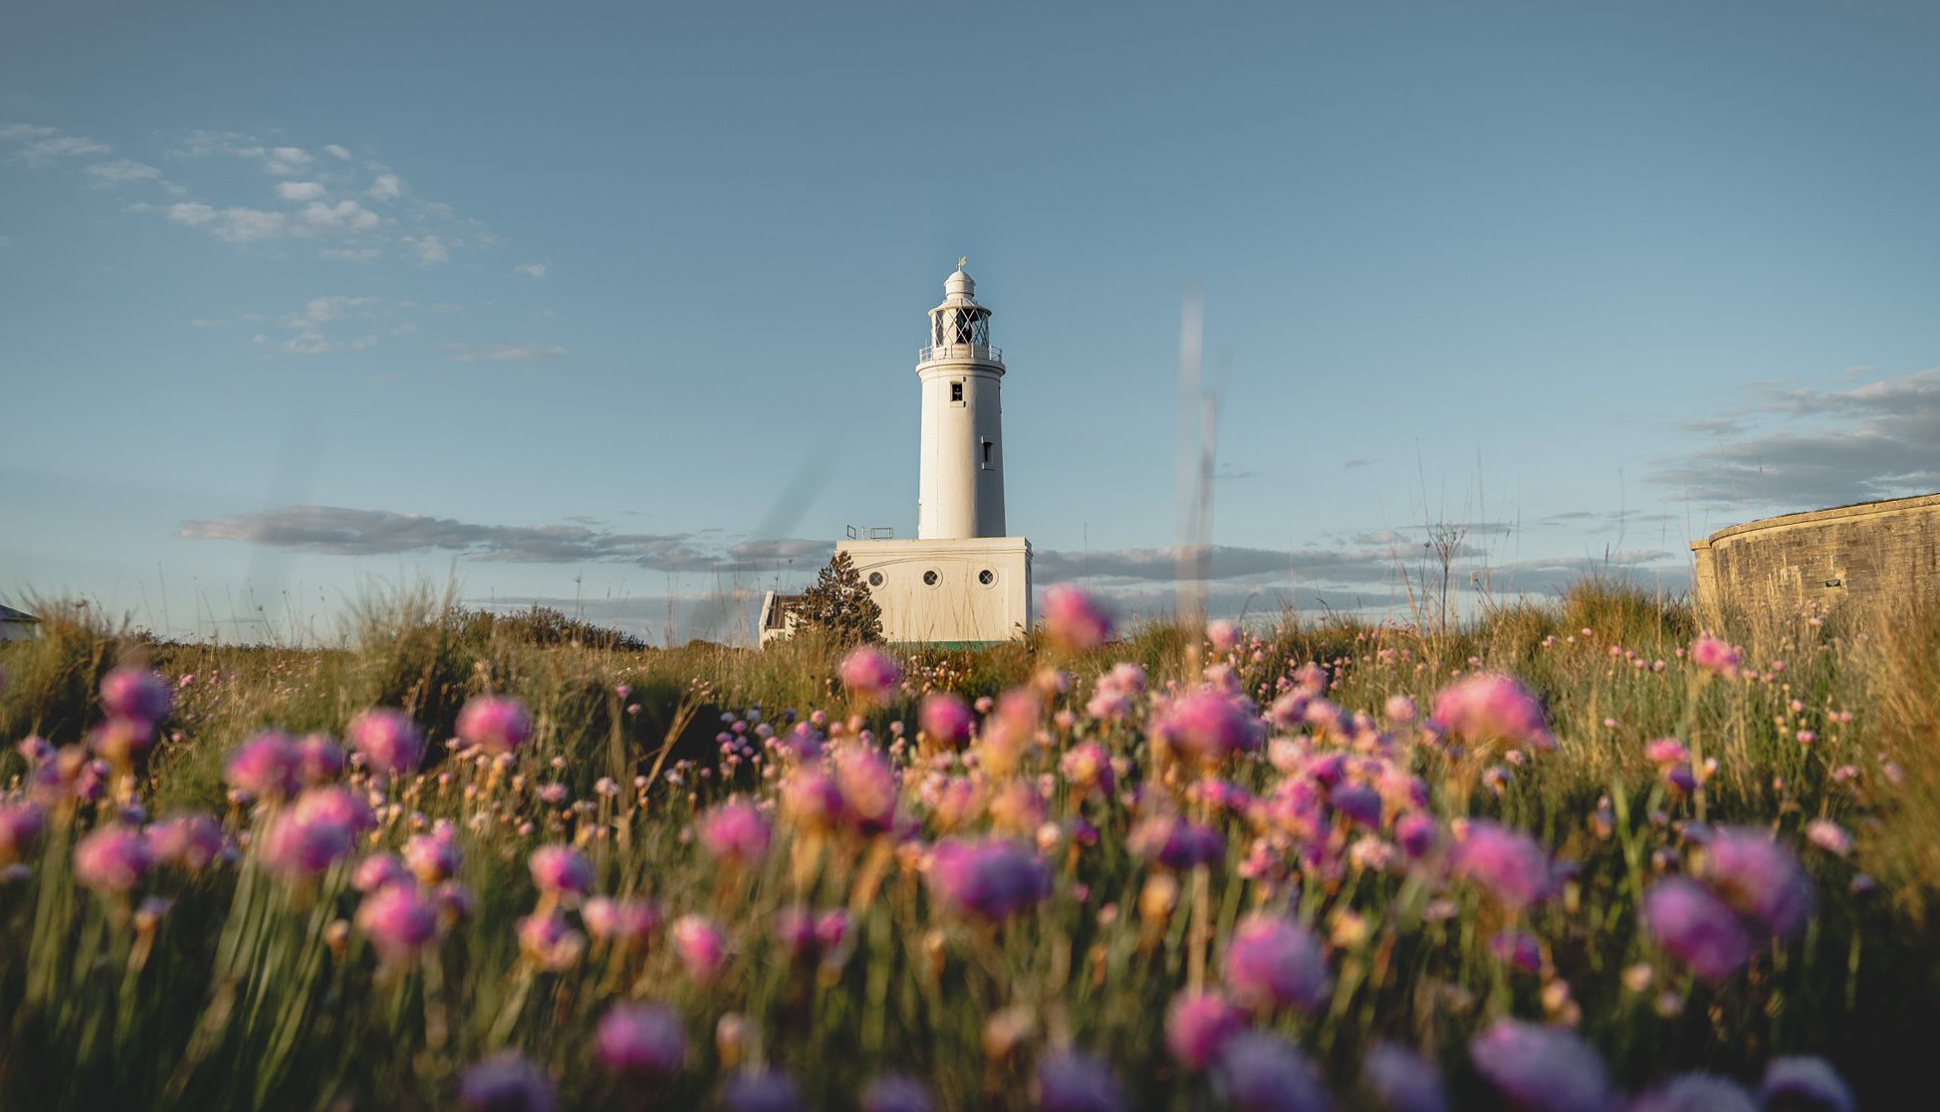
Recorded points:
(897, 1092)
(1264, 1072)
(548, 942)
(111, 860)
(810, 799)
(1490, 707)
(1686, 919)
(946, 718)
(135, 693)
(1088, 766)
(560, 871)
(1713, 655)
(640, 1040)
(627, 924)
(185, 841)
(1176, 843)
(1197, 1026)
(764, 1091)
(992, 880)
(1273, 963)
(379, 870)
(121, 740)
(339, 805)
(1403, 1080)
(1519, 949)
(1804, 1084)
(1209, 726)
(1359, 804)
(735, 833)
(869, 789)
(398, 920)
(1416, 833)
(494, 724)
(388, 740)
(701, 946)
(1073, 1081)
(319, 760)
(1074, 619)
(868, 674)
(1541, 1069)
(1509, 864)
(1829, 836)
(433, 858)
(265, 767)
(20, 826)
(505, 1082)
(1759, 878)
(301, 843)
(1696, 1092)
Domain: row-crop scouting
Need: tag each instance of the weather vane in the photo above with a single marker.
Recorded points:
(962, 261)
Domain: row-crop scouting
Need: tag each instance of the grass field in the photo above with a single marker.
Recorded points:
(1558, 859)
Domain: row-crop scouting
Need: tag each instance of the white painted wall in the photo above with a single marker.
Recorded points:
(958, 607)
(959, 494)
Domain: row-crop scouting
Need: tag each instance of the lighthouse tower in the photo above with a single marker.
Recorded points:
(961, 581)
(960, 466)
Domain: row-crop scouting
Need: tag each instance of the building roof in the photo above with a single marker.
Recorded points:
(9, 614)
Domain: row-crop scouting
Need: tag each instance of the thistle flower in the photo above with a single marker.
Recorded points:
(138, 693)
(1263, 1072)
(20, 826)
(1416, 833)
(991, 880)
(1176, 843)
(1804, 1084)
(339, 805)
(640, 1040)
(946, 718)
(1074, 620)
(1666, 751)
(897, 1092)
(701, 946)
(264, 766)
(1402, 1080)
(1715, 656)
(626, 924)
(505, 1082)
(1198, 1025)
(184, 841)
(1272, 963)
(398, 920)
(560, 871)
(1686, 919)
(1508, 864)
(1696, 1092)
(389, 741)
(111, 860)
(1758, 878)
(494, 724)
(1209, 726)
(762, 1091)
(1492, 708)
(1541, 1069)
(1116, 691)
(1357, 804)
(1399, 709)
(734, 833)
(1073, 1081)
(868, 674)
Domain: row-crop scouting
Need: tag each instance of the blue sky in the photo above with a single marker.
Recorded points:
(617, 309)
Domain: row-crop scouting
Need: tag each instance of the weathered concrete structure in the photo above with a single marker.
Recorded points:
(1870, 554)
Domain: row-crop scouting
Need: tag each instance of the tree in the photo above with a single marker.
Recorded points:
(840, 603)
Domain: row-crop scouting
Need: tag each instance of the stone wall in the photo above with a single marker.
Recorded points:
(1866, 555)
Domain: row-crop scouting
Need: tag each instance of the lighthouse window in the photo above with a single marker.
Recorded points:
(875, 579)
(986, 453)
(986, 577)
(965, 328)
(956, 392)
(930, 578)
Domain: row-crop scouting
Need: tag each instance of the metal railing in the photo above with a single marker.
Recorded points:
(960, 351)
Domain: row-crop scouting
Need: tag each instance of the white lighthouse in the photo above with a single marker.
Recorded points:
(961, 581)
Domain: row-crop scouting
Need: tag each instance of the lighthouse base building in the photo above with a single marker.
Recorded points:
(950, 593)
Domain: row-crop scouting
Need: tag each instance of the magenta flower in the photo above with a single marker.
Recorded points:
(301, 844)
(1116, 691)
(1357, 804)
(1264, 1072)
(1686, 919)
(1696, 1092)
(1272, 963)
(111, 860)
(265, 767)
(433, 858)
(1805, 1084)
(340, 805)
(1403, 1080)
(130, 692)
(991, 880)
(946, 718)
(549, 943)
(811, 799)
(640, 1040)
(505, 1082)
(319, 760)
(1176, 843)
(868, 674)
(1489, 707)
(1758, 878)
(701, 945)
(121, 740)
(1073, 1081)
(184, 841)
(1666, 751)
(869, 789)
(389, 741)
(1087, 766)
(561, 871)
(1209, 726)
(897, 1092)
(398, 920)
(1197, 1026)
(1508, 864)
(494, 724)
(20, 826)
(1417, 833)
(627, 924)
(735, 833)
(1519, 949)
(1715, 656)
(762, 1091)
(1829, 836)
(1074, 619)
(1541, 1069)
(379, 870)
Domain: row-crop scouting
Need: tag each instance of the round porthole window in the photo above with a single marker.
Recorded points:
(930, 578)
(875, 579)
(986, 577)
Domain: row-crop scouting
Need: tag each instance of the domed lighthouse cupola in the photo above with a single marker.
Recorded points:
(960, 483)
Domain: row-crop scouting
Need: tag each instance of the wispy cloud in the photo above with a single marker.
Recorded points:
(534, 270)
(503, 353)
(121, 171)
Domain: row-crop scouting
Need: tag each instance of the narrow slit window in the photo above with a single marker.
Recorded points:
(986, 451)
(956, 391)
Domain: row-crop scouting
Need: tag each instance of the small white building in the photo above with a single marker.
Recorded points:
(17, 625)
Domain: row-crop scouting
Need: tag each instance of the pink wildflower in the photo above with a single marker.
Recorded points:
(1209, 726)
(946, 718)
(640, 1040)
(111, 860)
(20, 826)
(389, 741)
(1541, 1069)
(494, 724)
(701, 945)
(561, 871)
(1715, 656)
(868, 674)
(505, 1082)
(1197, 1026)
(131, 692)
(398, 920)
(1074, 620)
(1759, 878)
(735, 833)
(1492, 708)
(627, 924)
(1272, 963)
(184, 841)
(991, 880)
(265, 767)
(1509, 864)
